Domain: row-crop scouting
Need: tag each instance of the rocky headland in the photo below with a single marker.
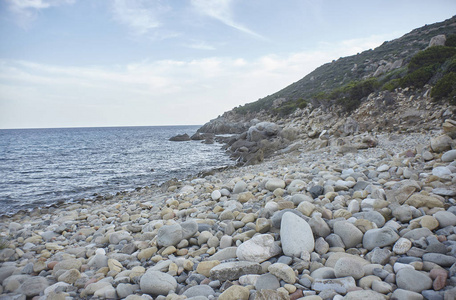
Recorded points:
(323, 204)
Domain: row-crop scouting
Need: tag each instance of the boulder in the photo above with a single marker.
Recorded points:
(180, 138)
(379, 238)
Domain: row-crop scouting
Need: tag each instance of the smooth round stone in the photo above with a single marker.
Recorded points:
(402, 245)
(441, 171)
(323, 273)
(33, 286)
(347, 266)
(283, 271)
(169, 235)
(445, 218)
(412, 280)
(449, 156)
(267, 282)
(406, 295)
(235, 292)
(379, 238)
(239, 187)
(199, 290)
(275, 183)
(349, 233)
(296, 235)
(363, 294)
(440, 259)
(157, 283)
(215, 195)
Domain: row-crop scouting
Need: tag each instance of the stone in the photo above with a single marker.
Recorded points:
(235, 292)
(234, 270)
(296, 235)
(267, 282)
(259, 248)
(169, 235)
(429, 222)
(316, 191)
(5, 272)
(445, 218)
(449, 156)
(283, 271)
(189, 229)
(319, 227)
(335, 256)
(349, 233)
(274, 183)
(124, 289)
(441, 171)
(416, 234)
(401, 294)
(347, 266)
(441, 143)
(412, 280)
(440, 259)
(33, 286)
(382, 287)
(379, 238)
(216, 195)
(323, 273)
(270, 294)
(239, 187)
(364, 294)
(157, 283)
(199, 290)
(339, 285)
(380, 256)
(420, 200)
(321, 246)
(70, 276)
(402, 245)
(68, 264)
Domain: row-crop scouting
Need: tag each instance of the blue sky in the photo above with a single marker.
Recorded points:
(71, 63)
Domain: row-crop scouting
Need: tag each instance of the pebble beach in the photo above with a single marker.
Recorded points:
(375, 223)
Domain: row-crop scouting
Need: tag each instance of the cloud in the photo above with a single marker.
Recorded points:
(27, 10)
(151, 92)
(141, 16)
(221, 10)
(200, 45)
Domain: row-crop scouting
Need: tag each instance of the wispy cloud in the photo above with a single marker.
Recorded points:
(200, 45)
(141, 16)
(221, 10)
(152, 92)
(27, 10)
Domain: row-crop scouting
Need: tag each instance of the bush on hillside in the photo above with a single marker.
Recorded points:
(445, 88)
(431, 56)
(451, 41)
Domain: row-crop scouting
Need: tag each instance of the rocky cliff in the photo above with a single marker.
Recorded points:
(388, 89)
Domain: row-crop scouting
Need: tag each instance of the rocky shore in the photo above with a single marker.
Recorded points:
(329, 223)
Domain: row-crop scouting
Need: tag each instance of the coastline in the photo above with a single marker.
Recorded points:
(219, 236)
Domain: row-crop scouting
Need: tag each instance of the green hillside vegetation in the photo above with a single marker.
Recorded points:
(347, 81)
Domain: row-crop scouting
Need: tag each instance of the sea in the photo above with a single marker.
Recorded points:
(41, 167)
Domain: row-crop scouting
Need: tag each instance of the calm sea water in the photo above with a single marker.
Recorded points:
(39, 167)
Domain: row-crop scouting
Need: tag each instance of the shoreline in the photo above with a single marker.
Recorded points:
(219, 236)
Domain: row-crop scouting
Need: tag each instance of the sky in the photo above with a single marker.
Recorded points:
(89, 63)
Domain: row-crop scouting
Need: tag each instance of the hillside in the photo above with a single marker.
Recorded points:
(343, 84)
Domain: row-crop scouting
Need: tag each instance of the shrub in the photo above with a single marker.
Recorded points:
(445, 88)
(451, 41)
(430, 56)
(392, 85)
(419, 77)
